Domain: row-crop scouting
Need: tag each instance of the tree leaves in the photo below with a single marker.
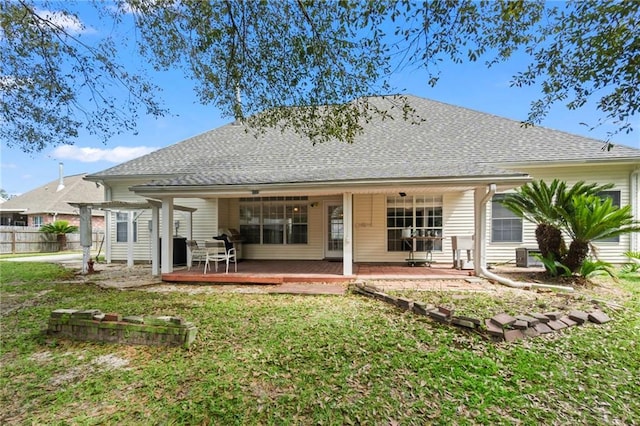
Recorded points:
(295, 61)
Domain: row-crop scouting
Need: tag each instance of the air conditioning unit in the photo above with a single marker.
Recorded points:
(525, 258)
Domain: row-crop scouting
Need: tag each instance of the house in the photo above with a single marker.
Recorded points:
(50, 203)
(360, 202)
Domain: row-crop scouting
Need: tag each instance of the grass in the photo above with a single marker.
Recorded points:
(261, 359)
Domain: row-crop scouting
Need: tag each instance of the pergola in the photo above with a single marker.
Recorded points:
(156, 233)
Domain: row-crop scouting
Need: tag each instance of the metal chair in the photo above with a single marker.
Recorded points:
(216, 252)
(195, 253)
(230, 251)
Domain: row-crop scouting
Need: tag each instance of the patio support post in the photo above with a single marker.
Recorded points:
(85, 237)
(107, 226)
(107, 236)
(130, 216)
(167, 235)
(347, 254)
(634, 201)
(155, 236)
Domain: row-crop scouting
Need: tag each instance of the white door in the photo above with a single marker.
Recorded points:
(334, 230)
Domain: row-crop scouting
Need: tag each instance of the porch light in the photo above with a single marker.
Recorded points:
(402, 194)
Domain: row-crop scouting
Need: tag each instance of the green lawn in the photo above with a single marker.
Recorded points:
(265, 359)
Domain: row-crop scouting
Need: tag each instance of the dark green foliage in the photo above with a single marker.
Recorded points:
(298, 65)
(589, 218)
(59, 228)
(550, 206)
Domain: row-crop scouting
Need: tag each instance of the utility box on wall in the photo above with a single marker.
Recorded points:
(525, 258)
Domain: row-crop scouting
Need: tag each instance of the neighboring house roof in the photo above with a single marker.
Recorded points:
(46, 199)
(451, 142)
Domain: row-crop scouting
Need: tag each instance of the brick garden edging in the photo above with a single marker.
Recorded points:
(93, 325)
(501, 327)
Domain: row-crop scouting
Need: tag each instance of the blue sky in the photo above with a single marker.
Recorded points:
(468, 85)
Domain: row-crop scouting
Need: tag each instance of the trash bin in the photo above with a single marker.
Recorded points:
(179, 251)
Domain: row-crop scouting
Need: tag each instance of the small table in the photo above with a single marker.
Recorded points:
(427, 260)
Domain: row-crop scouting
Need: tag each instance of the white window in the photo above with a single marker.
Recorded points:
(122, 227)
(506, 226)
(615, 200)
(37, 221)
(274, 220)
(422, 214)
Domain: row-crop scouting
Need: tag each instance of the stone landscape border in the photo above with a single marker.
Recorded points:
(501, 327)
(93, 325)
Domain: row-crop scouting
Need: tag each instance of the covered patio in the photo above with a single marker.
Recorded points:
(311, 271)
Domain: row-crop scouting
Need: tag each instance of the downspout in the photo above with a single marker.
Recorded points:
(108, 217)
(634, 201)
(480, 258)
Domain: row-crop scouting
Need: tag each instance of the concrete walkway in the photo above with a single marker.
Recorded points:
(49, 258)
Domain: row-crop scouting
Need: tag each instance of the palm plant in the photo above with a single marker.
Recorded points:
(59, 228)
(588, 218)
(534, 202)
(542, 204)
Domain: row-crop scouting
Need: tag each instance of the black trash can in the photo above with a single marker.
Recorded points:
(179, 251)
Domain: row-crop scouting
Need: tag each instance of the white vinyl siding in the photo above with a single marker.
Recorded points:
(204, 219)
(615, 200)
(370, 221)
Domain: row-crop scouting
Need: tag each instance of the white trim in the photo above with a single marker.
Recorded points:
(634, 201)
(155, 236)
(347, 251)
(167, 236)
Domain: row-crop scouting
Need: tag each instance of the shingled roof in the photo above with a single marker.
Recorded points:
(448, 142)
(46, 199)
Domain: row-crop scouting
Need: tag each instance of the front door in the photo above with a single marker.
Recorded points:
(334, 230)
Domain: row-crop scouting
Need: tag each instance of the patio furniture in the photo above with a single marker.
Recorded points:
(195, 253)
(459, 244)
(220, 250)
(230, 251)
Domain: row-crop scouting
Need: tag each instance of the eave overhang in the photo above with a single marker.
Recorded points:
(158, 190)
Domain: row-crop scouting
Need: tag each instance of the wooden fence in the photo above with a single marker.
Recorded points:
(23, 239)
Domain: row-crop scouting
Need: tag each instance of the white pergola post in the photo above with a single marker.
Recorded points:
(130, 221)
(347, 242)
(155, 235)
(107, 235)
(85, 236)
(189, 235)
(167, 235)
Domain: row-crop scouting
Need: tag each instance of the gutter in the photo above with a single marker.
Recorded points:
(312, 188)
(480, 257)
(634, 201)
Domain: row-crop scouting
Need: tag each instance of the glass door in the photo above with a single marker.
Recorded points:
(334, 232)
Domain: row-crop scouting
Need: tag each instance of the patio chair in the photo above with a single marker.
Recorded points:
(196, 253)
(216, 252)
(230, 251)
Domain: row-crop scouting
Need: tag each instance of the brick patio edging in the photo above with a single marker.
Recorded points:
(501, 327)
(93, 325)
